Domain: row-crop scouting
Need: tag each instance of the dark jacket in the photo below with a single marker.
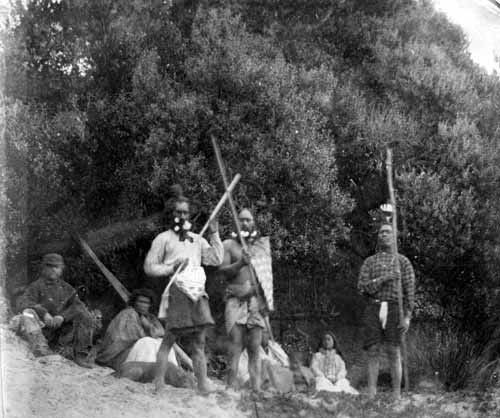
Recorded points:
(47, 296)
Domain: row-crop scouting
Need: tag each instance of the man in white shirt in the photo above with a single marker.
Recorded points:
(185, 306)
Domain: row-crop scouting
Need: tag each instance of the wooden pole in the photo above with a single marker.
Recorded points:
(223, 200)
(234, 213)
(174, 277)
(117, 285)
(394, 249)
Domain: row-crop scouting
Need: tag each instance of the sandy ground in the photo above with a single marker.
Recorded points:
(55, 387)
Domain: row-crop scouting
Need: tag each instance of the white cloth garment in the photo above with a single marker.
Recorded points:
(330, 372)
(384, 309)
(167, 249)
(192, 283)
(145, 349)
(341, 385)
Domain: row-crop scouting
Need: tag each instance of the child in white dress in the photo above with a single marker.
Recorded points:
(328, 367)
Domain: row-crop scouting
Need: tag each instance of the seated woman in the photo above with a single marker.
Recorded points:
(133, 335)
(328, 367)
(132, 341)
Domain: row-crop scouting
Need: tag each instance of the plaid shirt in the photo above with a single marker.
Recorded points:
(378, 279)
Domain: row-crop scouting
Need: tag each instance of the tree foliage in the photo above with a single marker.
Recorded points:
(111, 102)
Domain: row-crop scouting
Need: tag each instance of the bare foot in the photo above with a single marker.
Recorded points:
(160, 385)
(233, 386)
(206, 388)
(231, 391)
(257, 391)
(371, 393)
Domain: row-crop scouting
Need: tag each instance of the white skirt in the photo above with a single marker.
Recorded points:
(146, 350)
(342, 385)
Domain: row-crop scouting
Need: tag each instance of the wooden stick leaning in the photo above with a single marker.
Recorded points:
(183, 357)
(117, 285)
(181, 267)
(394, 249)
(123, 292)
(234, 213)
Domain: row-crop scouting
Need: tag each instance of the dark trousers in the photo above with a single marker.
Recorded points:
(77, 330)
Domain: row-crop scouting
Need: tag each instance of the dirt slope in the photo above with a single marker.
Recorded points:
(53, 387)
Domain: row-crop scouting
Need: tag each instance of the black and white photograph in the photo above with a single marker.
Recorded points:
(249, 208)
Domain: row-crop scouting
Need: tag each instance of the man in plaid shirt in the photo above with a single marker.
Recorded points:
(378, 281)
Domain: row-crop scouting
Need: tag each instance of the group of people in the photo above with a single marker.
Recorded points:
(141, 345)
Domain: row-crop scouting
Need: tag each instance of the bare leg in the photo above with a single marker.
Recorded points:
(254, 360)
(373, 366)
(162, 360)
(138, 371)
(237, 334)
(200, 361)
(394, 353)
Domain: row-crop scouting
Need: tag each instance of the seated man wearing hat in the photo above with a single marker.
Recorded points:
(51, 309)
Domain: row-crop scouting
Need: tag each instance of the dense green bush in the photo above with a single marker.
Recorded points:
(110, 103)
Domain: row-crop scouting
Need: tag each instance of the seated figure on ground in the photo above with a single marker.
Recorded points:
(50, 310)
(132, 340)
(329, 368)
(134, 334)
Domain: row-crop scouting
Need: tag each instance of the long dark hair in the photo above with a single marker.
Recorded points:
(335, 343)
(144, 291)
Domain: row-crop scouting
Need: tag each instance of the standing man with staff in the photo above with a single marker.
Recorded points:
(185, 305)
(247, 303)
(258, 275)
(379, 279)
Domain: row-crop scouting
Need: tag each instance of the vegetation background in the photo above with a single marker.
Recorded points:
(108, 103)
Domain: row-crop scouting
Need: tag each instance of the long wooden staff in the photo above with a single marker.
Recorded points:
(181, 267)
(117, 285)
(253, 279)
(397, 265)
(223, 199)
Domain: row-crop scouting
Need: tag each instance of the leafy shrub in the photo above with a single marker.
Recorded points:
(450, 356)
